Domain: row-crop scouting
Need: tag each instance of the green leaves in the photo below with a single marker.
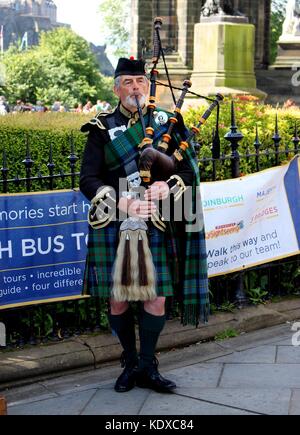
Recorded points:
(62, 67)
(23, 73)
(257, 296)
(116, 17)
(225, 335)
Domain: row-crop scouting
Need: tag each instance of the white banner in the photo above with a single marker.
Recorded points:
(252, 220)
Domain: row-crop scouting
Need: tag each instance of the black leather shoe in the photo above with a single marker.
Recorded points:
(151, 378)
(127, 380)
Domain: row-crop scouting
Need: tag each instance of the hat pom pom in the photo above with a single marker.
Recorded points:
(131, 58)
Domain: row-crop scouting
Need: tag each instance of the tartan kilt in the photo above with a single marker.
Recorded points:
(102, 250)
(179, 255)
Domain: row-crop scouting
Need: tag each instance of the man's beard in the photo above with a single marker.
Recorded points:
(131, 101)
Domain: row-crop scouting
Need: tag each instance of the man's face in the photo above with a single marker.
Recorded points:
(130, 87)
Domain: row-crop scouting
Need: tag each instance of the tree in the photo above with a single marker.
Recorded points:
(116, 15)
(23, 72)
(62, 67)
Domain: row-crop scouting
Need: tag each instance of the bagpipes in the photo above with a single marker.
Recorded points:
(155, 160)
(134, 275)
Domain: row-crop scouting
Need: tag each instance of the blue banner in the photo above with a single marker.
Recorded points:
(43, 239)
(292, 186)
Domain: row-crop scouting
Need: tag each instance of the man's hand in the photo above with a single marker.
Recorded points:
(158, 191)
(137, 208)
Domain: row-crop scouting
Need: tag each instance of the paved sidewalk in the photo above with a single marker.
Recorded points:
(255, 373)
(87, 352)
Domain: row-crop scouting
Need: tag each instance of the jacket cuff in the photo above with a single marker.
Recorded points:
(177, 187)
(103, 208)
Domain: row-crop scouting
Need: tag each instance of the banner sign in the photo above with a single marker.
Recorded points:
(252, 220)
(43, 236)
(43, 240)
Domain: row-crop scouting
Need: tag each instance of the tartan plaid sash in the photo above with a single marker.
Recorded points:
(192, 263)
(124, 148)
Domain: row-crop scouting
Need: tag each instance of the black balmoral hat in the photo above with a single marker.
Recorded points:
(130, 67)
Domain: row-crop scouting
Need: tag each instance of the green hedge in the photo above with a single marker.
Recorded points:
(249, 114)
(41, 130)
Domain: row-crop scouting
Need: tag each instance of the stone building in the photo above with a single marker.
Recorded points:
(29, 17)
(20, 16)
(180, 18)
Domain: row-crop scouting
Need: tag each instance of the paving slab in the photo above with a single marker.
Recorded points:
(108, 402)
(86, 380)
(193, 354)
(295, 403)
(71, 404)
(262, 401)
(24, 393)
(198, 375)
(261, 376)
(262, 354)
(288, 355)
(179, 405)
(285, 342)
(33, 399)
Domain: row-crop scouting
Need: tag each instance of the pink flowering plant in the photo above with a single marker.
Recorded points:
(250, 114)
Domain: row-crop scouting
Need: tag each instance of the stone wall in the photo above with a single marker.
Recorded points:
(31, 17)
(258, 12)
(142, 21)
(10, 25)
(187, 14)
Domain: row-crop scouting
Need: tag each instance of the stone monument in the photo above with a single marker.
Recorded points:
(221, 10)
(224, 48)
(289, 42)
(291, 25)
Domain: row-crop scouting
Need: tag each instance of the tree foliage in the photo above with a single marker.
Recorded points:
(62, 67)
(23, 73)
(116, 18)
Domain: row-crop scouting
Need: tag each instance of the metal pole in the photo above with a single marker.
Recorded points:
(234, 137)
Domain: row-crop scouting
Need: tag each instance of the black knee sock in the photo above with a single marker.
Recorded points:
(150, 329)
(124, 327)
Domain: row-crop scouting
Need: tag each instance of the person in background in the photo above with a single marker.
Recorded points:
(39, 107)
(18, 107)
(4, 107)
(98, 106)
(106, 107)
(79, 108)
(56, 106)
(88, 107)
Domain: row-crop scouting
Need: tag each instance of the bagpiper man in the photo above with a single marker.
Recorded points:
(143, 258)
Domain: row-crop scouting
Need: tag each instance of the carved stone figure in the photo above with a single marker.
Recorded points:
(219, 7)
(291, 26)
